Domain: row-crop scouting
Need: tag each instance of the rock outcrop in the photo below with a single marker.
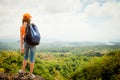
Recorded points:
(24, 76)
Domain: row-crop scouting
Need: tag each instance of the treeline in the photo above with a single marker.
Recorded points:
(9, 46)
(10, 61)
(104, 68)
(55, 48)
(67, 66)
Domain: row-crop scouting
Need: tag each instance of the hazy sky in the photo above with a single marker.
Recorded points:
(65, 20)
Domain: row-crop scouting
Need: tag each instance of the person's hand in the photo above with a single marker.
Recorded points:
(22, 50)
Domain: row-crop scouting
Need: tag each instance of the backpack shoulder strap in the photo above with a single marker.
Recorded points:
(27, 28)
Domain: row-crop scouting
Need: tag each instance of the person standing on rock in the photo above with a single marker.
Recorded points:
(29, 38)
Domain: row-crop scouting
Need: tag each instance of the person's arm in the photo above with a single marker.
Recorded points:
(21, 41)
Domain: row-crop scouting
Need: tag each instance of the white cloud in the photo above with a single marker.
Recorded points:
(62, 19)
(107, 9)
(106, 29)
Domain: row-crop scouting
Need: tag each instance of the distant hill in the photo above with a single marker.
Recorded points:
(16, 44)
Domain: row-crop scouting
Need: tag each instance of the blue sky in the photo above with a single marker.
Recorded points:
(63, 20)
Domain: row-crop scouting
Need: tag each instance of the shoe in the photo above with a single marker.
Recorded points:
(32, 76)
(20, 71)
